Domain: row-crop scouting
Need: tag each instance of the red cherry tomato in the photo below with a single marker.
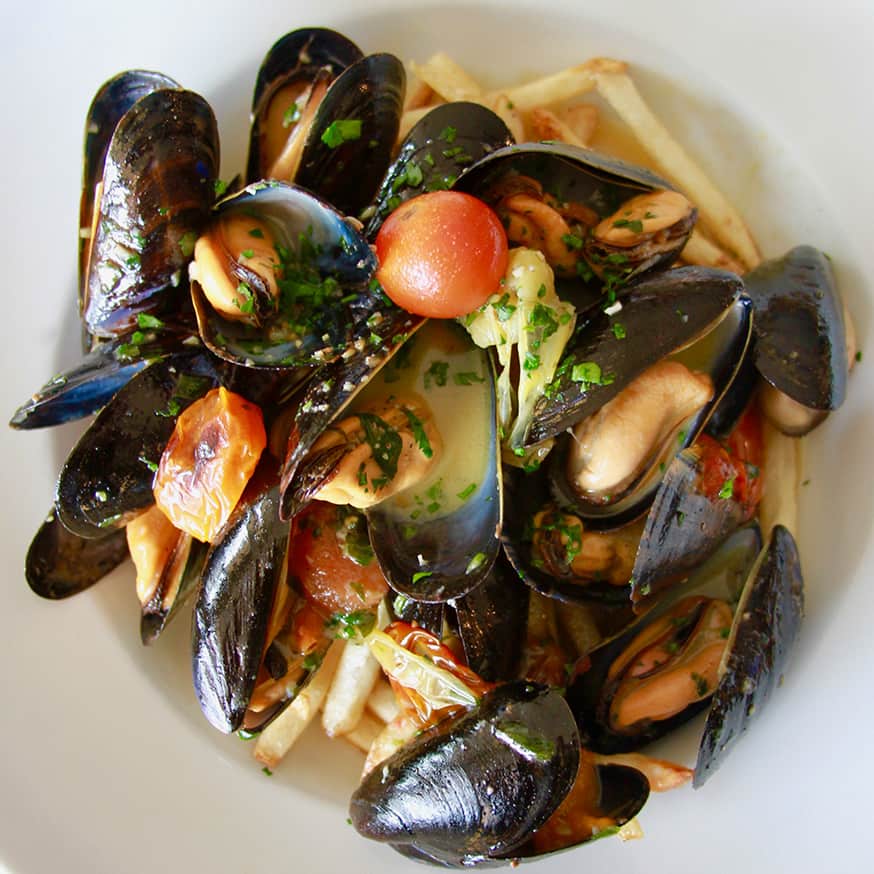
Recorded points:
(441, 254)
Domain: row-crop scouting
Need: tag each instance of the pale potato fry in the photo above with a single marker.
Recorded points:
(505, 110)
(780, 475)
(631, 831)
(716, 212)
(699, 250)
(398, 732)
(382, 701)
(411, 118)
(365, 732)
(419, 94)
(560, 86)
(279, 737)
(582, 119)
(544, 124)
(447, 78)
(353, 680)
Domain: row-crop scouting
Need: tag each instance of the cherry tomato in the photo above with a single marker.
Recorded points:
(336, 577)
(210, 457)
(441, 254)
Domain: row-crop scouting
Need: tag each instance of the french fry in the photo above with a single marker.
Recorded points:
(411, 118)
(365, 732)
(582, 119)
(356, 673)
(699, 250)
(560, 86)
(398, 732)
(447, 78)
(716, 212)
(780, 475)
(382, 701)
(505, 110)
(280, 735)
(546, 125)
(419, 94)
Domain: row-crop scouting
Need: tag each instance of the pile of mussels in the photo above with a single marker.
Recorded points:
(666, 573)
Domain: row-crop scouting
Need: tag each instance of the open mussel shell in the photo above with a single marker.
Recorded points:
(330, 391)
(87, 386)
(324, 295)
(60, 563)
(436, 152)
(524, 495)
(289, 68)
(475, 786)
(800, 333)
(766, 625)
(439, 538)
(686, 523)
(723, 576)
(243, 570)
(157, 190)
(351, 140)
(112, 100)
(107, 477)
(718, 353)
(179, 580)
(660, 314)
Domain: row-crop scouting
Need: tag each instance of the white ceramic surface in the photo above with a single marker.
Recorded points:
(106, 764)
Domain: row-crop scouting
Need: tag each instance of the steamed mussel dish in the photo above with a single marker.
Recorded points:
(448, 426)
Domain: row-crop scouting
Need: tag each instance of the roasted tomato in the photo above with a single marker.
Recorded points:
(210, 457)
(441, 254)
(332, 560)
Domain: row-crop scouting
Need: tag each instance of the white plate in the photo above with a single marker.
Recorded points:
(107, 765)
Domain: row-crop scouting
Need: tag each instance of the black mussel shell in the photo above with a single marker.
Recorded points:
(736, 399)
(722, 576)
(330, 391)
(572, 173)
(767, 623)
(179, 581)
(428, 616)
(476, 786)
(243, 570)
(685, 525)
(525, 495)
(436, 152)
(107, 478)
(298, 56)
(352, 137)
(718, 353)
(112, 100)
(158, 187)
(60, 563)
(329, 252)
(492, 622)
(660, 314)
(799, 328)
(87, 386)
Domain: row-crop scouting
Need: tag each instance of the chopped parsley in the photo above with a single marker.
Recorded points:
(466, 492)
(634, 225)
(619, 331)
(436, 373)
(702, 687)
(589, 373)
(186, 243)
(147, 322)
(467, 377)
(572, 241)
(421, 575)
(531, 362)
(291, 115)
(385, 443)
(448, 134)
(343, 130)
(219, 187)
(419, 434)
(523, 737)
(727, 490)
(349, 625)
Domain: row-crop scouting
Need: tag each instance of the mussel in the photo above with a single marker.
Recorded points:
(280, 279)
(155, 195)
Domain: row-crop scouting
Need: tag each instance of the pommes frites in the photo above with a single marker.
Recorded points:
(356, 703)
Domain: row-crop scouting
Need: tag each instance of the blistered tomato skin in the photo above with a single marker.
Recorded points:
(331, 580)
(441, 254)
(210, 457)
